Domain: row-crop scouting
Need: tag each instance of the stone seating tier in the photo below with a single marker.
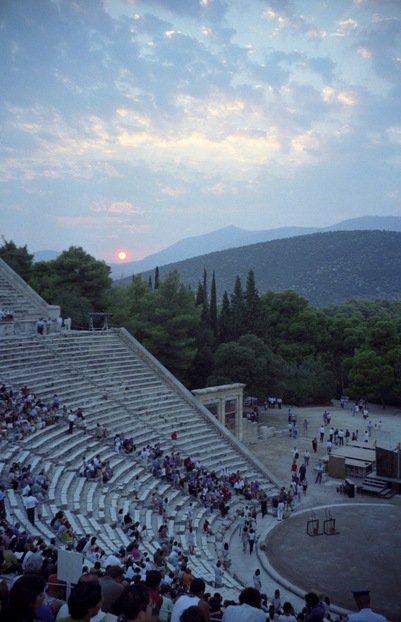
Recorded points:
(67, 366)
(15, 300)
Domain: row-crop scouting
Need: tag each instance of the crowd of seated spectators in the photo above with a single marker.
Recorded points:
(96, 469)
(167, 571)
(211, 488)
(22, 412)
(104, 587)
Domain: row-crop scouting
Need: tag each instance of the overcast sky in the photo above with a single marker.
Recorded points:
(131, 124)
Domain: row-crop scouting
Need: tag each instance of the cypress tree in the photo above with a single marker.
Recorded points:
(213, 308)
(225, 320)
(253, 321)
(237, 309)
(205, 306)
(199, 295)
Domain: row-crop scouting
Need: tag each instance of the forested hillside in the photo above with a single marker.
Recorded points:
(325, 268)
(277, 343)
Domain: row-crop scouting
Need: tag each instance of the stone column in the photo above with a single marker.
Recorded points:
(221, 409)
(238, 417)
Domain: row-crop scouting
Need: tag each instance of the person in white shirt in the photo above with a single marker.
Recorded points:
(196, 591)
(249, 609)
(218, 575)
(257, 582)
(365, 613)
(71, 421)
(111, 560)
(288, 613)
(30, 503)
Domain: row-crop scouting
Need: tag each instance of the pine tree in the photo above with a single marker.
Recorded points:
(17, 257)
(167, 322)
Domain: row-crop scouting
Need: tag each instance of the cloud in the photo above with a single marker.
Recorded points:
(195, 9)
(97, 221)
(364, 52)
(287, 23)
(219, 188)
(178, 191)
(118, 115)
(346, 27)
(394, 134)
(125, 208)
(342, 97)
(138, 228)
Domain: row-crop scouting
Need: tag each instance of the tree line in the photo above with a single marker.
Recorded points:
(276, 343)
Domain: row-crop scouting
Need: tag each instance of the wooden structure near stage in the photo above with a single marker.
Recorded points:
(350, 461)
(388, 462)
(388, 467)
(378, 469)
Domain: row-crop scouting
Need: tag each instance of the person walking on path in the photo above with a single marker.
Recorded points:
(71, 421)
(225, 556)
(263, 504)
(191, 541)
(245, 539)
(241, 522)
(218, 575)
(251, 539)
(30, 504)
(280, 510)
(257, 582)
(314, 445)
(319, 473)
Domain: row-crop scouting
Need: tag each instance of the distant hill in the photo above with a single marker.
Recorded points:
(234, 237)
(326, 268)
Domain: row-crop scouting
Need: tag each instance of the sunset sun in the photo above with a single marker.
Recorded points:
(122, 255)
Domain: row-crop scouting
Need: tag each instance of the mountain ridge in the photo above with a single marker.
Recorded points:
(326, 268)
(231, 237)
(235, 237)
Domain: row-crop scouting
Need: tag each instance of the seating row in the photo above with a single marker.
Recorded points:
(140, 403)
